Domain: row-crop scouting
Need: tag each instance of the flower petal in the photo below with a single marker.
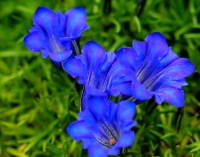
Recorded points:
(127, 127)
(116, 78)
(125, 140)
(87, 117)
(95, 54)
(63, 39)
(127, 57)
(60, 56)
(87, 142)
(164, 81)
(76, 22)
(173, 83)
(123, 88)
(33, 42)
(157, 45)
(139, 91)
(180, 68)
(177, 70)
(118, 74)
(79, 130)
(94, 91)
(45, 53)
(99, 107)
(84, 99)
(113, 151)
(113, 110)
(46, 19)
(61, 25)
(96, 150)
(140, 49)
(109, 60)
(157, 48)
(125, 112)
(172, 95)
(76, 69)
(33, 29)
(164, 62)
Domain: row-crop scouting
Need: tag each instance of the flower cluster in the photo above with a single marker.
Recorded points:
(150, 68)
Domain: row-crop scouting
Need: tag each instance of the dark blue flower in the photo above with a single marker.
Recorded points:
(104, 127)
(54, 33)
(157, 70)
(99, 72)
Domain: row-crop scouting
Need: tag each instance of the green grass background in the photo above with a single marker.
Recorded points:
(38, 101)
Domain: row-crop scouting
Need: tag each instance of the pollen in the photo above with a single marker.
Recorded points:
(112, 141)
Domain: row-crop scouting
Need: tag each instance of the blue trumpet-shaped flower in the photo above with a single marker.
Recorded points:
(99, 72)
(157, 70)
(54, 34)
(104, 127)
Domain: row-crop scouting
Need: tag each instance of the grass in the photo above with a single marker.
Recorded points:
(38, 101)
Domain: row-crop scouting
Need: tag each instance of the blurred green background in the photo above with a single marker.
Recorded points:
(38, 101)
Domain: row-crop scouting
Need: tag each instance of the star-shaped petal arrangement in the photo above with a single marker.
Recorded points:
(158, 71)
(56, 35)
(99, 72)
(104, 127)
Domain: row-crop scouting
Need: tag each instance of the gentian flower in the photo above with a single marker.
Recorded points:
(158, 71)
(54, 34)
(104, 127)
(99, 72)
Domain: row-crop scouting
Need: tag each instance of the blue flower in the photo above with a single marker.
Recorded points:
(99, 72)
(157, 70)
(104, 127)
(54, 33)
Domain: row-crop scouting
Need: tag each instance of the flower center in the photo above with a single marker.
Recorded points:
(108, 134)
(112, 141)
(55, 45)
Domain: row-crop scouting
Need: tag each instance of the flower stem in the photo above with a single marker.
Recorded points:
(140, 7)
(107, 7)
(151, 105)
(76, 47)
(179, 118)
